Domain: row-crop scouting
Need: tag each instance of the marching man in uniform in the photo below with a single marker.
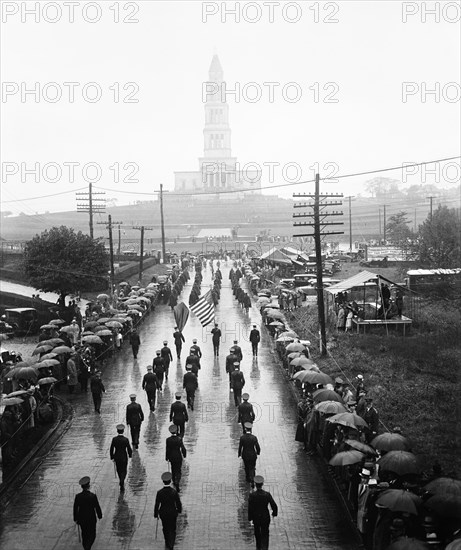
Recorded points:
(175, 451)
(134, 419)
(249, 450)
(168, 506)
(86, 511)
(120, 450)
(258, 513)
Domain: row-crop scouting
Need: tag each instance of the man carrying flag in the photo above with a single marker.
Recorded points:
(204, 309)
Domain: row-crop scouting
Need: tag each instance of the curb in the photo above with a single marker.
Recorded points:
(52, 436)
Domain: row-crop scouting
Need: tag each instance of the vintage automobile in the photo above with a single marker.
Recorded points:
(24, 320)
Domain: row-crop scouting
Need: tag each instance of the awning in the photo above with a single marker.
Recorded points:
(359, 280)
(276, 256)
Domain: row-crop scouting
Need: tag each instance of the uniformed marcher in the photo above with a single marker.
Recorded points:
(178, 414)
(216, 332)
(178, 340)
(190, 384)
(238, 351)
(230, 360)
(255, 338)
(134, 419)
(159, 367)
(196, 348)
(249, 450)
(86, 512)
(120, 450)
(194, 361)
(168, 506)
(151, 384)
(165, 352)
(175, 451)
(258, 513)
(246, 412)
(237, 383)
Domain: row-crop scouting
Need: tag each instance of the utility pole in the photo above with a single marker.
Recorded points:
(142, 228)
(319, 225)
(119, 240)
(350, 197)
(91, 205)
(379, 222)
(163, 223)
(431, 198)
(108, 225)
(384, 224)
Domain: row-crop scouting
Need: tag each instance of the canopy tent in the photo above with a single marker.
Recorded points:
(275, 255)
(359, 280)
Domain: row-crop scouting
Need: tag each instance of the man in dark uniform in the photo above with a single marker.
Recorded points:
(249, 450)
(178, 340)
(159, 368)
(371, 417)
(151, 384)
(238, 351)
(237, 383)
(230, 360)
(134, 419)
(178, 414)
(216, 332)
(258, 513)
(168, 506)
(175, 451)
(190, 384)
(255, 338)
(165, 352)
(97, 389)
(194, 361)
(120, 450)
(86, 509)
(246, 412)
(135, 342)
(196, 348)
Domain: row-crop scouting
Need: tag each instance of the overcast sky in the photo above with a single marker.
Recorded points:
(358, 54)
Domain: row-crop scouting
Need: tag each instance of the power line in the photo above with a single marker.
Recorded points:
(45, 196)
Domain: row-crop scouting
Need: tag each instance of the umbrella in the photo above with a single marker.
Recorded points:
(399, 462)
(54, 341)
(301, 360)
(50, 355)
(11, 401)
(47, 380)
(326, 395)
(273, 314)
(123, 283)
(133, 312)
(92, 339)
(105, 332)
(66, 329)
(87, 333)
(142, 299)
(98, 329)
(350, 420)
(276, 324)
(346, 458)
(136, 307)
(103, 320)
(290, 334)
(406, 543)
(398, 500)
(150, 294)
(295, 346)
(47, 364)
(25, 372)
(390, 442)
(90, 325)
(62, 349)
(294, 354)
(130, 301)
(135, 287)
(263, 300)
(42, 349)
(330, 407)
(46, 327)
(16, 393)
(443, 485)
(359, 446)
(273, 305)
(285, 339)
(102, 297)
(312, 377)
(455, 545)
(57, 322)
(114, 324)
(445, 497)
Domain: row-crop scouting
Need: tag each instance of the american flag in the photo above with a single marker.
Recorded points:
(204, 309)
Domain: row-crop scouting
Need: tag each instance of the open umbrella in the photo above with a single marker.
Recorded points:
(57, 322)
(102, 297)
(123, 283)
(92, 339)
(399, 462)
(135, 287)
(114, 324)
(262, 301)
(62, 349)
(326, 395)
(276, 324)
(350, 420)
(285, 339)
(105, 332)
(312, 377)
(144, 300)
(50, 355)
(294, 355)
(137, 307)
(275, 314)
(398, 500)
(133, 312)
(290, 333)
(330, 407)
(44, 348)
(407, 543)
(11, 401)
(301, 360)
(97, 330)
(390, 442)
(359, 446)
(25, 373)
(16, 393)
(455, 545)
(47, 380)
(87, 333)
(48, 363)
(295, 346)
(130, 301)
(103, 320)
(66, 329)
(90, 325)
(442, 485)
(47, 326)
(445, 497)
(346, 458)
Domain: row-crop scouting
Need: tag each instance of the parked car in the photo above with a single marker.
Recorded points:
(24, 320)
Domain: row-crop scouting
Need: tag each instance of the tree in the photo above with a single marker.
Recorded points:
(60, 260)
(397, 229)
(439, 239)
(383, 187)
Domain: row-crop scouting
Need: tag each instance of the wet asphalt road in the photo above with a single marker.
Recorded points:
(214, 492)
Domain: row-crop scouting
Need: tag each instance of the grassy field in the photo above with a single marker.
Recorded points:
(414, 380)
